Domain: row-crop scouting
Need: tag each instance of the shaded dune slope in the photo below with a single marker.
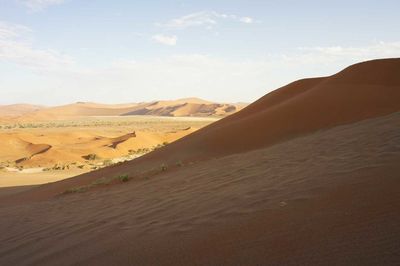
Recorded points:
(360, 91)
(328, 198)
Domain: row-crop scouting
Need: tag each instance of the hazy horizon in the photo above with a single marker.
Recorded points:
(54, 52)
(116, 103)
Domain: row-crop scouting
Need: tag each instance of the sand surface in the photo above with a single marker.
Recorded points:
(328, 198)
(13, 179)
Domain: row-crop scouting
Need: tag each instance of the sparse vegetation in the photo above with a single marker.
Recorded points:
(107, 162)
(59, 167)
(98, 182)
(139, 151)
(163, 167)
(101, 181)
(91, 157)
(76, 190)
(140, 123)
(123, 178)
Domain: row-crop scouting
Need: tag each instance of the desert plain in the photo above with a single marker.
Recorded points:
(42, 145)
(36, 153)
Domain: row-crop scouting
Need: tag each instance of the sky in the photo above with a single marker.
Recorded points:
(56, 52)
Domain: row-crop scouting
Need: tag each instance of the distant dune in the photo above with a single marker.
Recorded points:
(77, 110)
(175, 108)
(18, 109)
(306, 175)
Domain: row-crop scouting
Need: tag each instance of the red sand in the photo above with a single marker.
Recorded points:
(308, 174)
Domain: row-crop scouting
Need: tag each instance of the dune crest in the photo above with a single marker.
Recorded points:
(119, 140)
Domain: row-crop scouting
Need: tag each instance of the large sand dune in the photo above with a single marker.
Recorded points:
(328, 198)
(308, 174)
(358, 92)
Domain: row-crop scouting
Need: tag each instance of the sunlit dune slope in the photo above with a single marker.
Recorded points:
(32, 149)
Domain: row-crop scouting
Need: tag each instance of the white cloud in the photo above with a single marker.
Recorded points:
(176, 76)
(165, 39)
(11, 31)
(15, 48)
(212, 77)
(334, 56)
(247, 20)
(191, 20)
(204, 18)
(378, 49)
(38, 5)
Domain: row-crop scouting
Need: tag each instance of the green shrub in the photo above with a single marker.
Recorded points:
(100, 181)
(76, 190)
(107, 162)
(123, 178)
(91, 157)
(163, 167)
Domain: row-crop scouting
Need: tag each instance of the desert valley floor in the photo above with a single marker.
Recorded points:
(38, 152)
